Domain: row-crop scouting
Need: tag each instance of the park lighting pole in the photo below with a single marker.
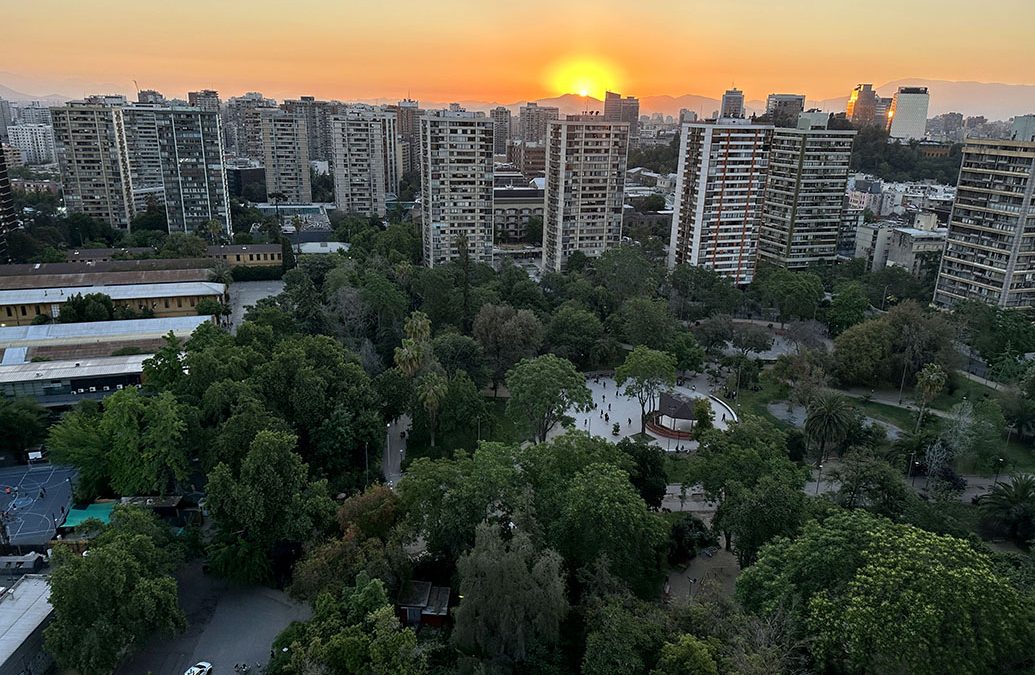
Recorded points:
(916, 467)
(998, 466)
(819, 477)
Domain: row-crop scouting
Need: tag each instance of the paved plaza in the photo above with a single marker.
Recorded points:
(612, 407)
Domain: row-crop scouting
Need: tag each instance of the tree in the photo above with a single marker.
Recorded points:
(861, 353)
(270, 502)
(507, 335)
(573, 333)
(754, 516)
(930, 381)
(715, 331)
(686, 656)
(647, 473)
(844, 578)
(512, 597)
(603, 516)
(23, 424)
(77, 440)
(432, 389)
(750, 337)
(114, 599)
(1010, 509)
(645, 374)
(701, 292)
(415, 354)
(871, 483)
(688, 351)
(457, 352)
(543, 389)
(847, 308)
(643, 321)
(827, 420)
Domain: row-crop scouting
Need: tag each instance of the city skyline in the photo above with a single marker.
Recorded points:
(503, 53)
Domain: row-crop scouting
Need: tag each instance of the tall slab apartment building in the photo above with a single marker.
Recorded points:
(586, 159)
(456, 151)
(720, 196)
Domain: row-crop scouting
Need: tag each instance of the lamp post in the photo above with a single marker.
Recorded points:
(998, 466)
(819, 477)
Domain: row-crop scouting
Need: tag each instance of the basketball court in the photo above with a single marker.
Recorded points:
(34, 501)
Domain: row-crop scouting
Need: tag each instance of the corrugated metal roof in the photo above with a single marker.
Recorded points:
(44, 296)
(90, 278)
(74, 333)
(23, 607)
(61, 370)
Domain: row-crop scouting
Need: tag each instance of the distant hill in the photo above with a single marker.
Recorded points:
(11, 95)
(991, 99)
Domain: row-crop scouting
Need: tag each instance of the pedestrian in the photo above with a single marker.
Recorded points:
(608, 407)
(606, 417)
(603, 397)
(693, 387)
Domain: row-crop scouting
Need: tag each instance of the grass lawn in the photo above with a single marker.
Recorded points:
(901, 418)
(974, 391)
(1020, 458)
(754, 402)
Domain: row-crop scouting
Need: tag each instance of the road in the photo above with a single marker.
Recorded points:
(226, 625)
(394, 450)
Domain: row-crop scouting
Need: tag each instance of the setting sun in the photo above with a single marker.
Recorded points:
(585, 76)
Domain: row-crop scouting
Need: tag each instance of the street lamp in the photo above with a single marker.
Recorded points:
(916, 467)
(998, 466)
(819, 478)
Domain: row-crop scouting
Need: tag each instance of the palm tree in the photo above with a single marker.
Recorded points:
(1010, 507)
(828, 420)
(431, 392)
(929, 383)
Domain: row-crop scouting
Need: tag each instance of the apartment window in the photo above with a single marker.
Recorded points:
(24, 312)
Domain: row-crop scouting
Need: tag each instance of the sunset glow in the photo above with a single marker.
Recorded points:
(585, 76)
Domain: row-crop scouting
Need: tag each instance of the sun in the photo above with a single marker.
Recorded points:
(583, 75)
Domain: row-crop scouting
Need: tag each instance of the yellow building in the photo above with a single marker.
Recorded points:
(21, 307)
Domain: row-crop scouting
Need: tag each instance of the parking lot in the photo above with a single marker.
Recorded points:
(226, 625)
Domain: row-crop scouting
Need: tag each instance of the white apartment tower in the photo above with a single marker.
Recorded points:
(732, 105)
(392, 149)
(720, 193)
(907, 117)
(501, 129)
(207, 100)
(35, 141)
(90, 148)
(358, 160)
(456, 151)
(285, 145)
(804, 197)
(990, 248)
(532, 120)
(586, 158)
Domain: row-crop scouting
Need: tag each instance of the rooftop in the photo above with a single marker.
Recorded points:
(74, 333)
(88, 277)
(63, 370)
(24, 606)
(45, 296)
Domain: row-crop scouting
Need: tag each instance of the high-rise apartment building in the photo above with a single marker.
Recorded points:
(862, 105)
(244, 124)
(31, 113)
(317, 116)
(618, 109)
(358, 160)
(687, 115)
(6, 118)
(501, 129)
(532, 120)
(34, 141)
(990, 249)
(783, 109)
(285, 144)
(720, 195)
(907, 117)
(90, 148)
(391, 148)
(586, 158)
(117, 160)
(456, 159)
(804, 196)
(409, 113)
(206, 100)
(193, 170)
(1023, 128)
(8, 216)
(732, 105)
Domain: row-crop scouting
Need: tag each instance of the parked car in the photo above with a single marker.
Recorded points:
(199, 668)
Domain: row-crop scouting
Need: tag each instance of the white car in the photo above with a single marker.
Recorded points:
(199, 668)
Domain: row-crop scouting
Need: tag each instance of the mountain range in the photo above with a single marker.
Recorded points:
(993, 100)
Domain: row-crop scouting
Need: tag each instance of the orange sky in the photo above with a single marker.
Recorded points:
(508, 50)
